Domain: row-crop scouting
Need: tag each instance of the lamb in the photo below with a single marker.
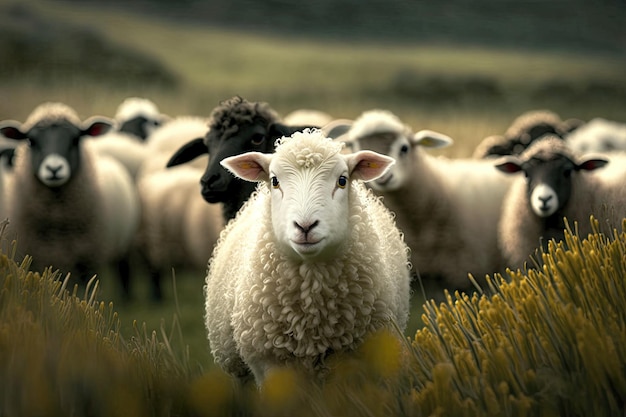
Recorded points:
(311, 265)
(70, 207)
(524, 130)
(446, 208)
(236, 126)
(558, 183)
(136, 119)
(598, 135)
(178, 228)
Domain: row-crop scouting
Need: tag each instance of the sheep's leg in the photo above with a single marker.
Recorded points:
(123, 272)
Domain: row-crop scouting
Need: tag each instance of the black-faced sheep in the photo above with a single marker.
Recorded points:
(446, 208)
(70, 207)
(236, 126)
(311, 265)
(136, 119)
(523, 131)
(557, 183)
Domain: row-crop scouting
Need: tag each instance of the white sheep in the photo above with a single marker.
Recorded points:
(136, 119)
(178, 227)
(312, 263)
(446, 208)
(70, 207)
(598, 135)
(557, 183)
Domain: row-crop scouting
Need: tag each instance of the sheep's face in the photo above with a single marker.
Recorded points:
(310, 192)
(399, 146)
(55, 148)
(549, 180)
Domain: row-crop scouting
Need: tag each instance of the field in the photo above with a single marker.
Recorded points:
(465, 92)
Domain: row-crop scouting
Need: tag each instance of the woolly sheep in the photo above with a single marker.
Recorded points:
(136, 119)
(70, 208)
(524, 130)
(178, 228)
(598, 135)
(557, 184)
(446, 208)
(310, 266)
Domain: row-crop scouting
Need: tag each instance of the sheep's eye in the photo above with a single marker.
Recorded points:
(404, 149)
(342, 181)
(275, 183)
(257, 139)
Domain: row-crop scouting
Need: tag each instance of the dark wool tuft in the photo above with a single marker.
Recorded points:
(226, 118)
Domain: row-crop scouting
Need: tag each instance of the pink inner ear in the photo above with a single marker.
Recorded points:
(12, 132)
(592, 164)
(97, 129)
(509, 167)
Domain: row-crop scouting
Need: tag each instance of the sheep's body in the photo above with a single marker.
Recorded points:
(530, 219)
(75, 210)
(523, 131)
(267, 305)
(178, 228)
(446, 208)
(598, 135)
(308, 117)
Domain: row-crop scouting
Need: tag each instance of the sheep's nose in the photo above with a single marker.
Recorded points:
(544, 200)
(306, 227)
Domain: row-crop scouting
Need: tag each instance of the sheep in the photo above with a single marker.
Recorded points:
(311, 265)
(139, 117)
(524, 130)
(598, 135)
(178, 228)
(70, 207)
(558, 183)
(446, 208)
(236, 126)
(136, 119)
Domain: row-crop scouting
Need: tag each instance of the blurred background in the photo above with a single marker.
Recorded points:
(465, 68)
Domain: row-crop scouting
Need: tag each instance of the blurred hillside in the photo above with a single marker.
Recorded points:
(580, 25)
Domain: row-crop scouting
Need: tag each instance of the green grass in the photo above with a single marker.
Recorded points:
(343, 79)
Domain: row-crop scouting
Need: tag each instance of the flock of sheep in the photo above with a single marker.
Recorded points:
(311, 230)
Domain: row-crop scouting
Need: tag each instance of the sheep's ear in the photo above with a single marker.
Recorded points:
(591, 164)
(11, 130)
(431, 139)
(368, 165)
(188, 152)
(249, 166)
(97, 126)
(509, 166)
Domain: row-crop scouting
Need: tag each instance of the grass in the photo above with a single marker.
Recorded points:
(341, 78)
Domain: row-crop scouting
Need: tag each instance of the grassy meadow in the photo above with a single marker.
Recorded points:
(467, 93)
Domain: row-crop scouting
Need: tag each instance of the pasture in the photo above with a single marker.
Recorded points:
(467, 93)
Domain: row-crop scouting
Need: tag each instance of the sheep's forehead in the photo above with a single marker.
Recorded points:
(375, 121)
(135, 106)
(51, 113)
(380, 142)
(307, 150)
